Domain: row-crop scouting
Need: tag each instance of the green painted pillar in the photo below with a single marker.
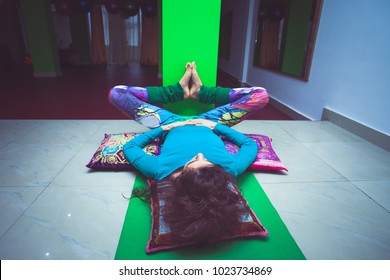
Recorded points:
(297, 30)
(190, 32)
(37, 17)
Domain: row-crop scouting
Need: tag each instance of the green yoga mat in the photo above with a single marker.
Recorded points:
(278, 245)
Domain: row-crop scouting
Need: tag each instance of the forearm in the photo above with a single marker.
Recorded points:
(143, 139)
(248, 147)
(212, 95)
(137, 157)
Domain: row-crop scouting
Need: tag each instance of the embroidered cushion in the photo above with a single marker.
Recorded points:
(161, 237)
(266, 157)
(110, 154)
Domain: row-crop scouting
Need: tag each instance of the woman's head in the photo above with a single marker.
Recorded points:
(200, 206)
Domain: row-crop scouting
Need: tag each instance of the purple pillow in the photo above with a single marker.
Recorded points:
(266, 157)
(110, 154)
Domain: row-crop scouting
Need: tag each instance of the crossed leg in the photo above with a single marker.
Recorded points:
(243, 102)
(132, 101)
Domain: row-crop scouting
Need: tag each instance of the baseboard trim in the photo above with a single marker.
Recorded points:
(295, 115)
(374, 136)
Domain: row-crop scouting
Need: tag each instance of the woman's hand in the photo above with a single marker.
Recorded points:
(173, 125)
(197, 122)
(202, 122)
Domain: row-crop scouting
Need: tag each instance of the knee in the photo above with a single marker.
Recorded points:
(261, 94)
(114, 94)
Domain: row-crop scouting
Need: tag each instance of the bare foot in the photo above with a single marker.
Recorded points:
(184, 81)
(196, 82)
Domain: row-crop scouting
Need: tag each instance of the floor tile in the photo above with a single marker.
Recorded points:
(11, 130)
(379, 191)
(77, 174)
(332, 220)
(69, 223)
(355, 161)
(302, 164)
(33, 164)
(317, 132)
(13, 202)
(61, 132)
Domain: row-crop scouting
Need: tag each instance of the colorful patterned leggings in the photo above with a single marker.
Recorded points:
(132, 101)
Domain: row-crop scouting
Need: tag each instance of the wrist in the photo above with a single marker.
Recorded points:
(166, 127)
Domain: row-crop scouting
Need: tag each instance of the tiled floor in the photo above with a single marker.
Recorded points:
(335, 199)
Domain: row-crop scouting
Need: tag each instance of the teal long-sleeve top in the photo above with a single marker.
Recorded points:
(183, 143)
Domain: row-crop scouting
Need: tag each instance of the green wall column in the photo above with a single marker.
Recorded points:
(37, 17)
(190, 32)
(297, 31)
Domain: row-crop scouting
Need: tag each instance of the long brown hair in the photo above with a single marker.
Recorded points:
(199, 207)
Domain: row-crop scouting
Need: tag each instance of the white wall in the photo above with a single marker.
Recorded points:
(350, 69)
